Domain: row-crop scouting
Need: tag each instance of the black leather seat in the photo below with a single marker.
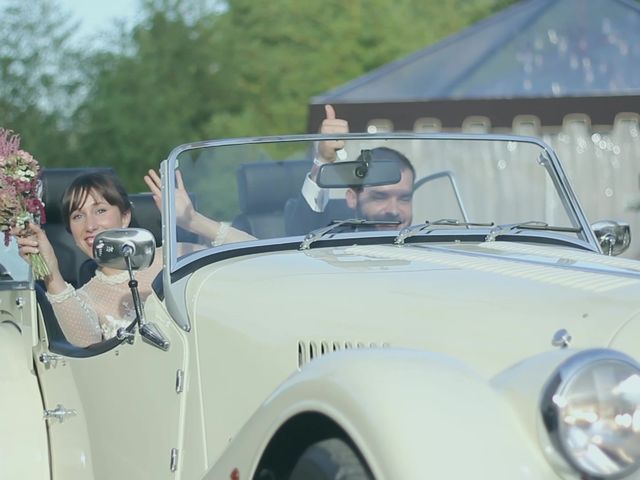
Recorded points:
(145, 214)
(263, 190)
(299, 219)
(54, 182)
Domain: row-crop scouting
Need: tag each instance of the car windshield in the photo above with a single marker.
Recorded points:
(278, 190)
(14, 272)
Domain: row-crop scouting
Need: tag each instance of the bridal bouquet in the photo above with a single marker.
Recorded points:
(20, 203)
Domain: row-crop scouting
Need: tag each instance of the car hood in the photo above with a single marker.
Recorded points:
(488, 304)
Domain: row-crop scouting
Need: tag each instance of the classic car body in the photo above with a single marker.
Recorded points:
(491, 339)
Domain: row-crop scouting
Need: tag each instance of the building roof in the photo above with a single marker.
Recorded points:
(534, 49)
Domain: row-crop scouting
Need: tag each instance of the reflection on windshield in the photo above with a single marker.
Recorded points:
(12, 266)
(265, 189)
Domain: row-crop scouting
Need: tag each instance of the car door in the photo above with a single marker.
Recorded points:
(118, 412)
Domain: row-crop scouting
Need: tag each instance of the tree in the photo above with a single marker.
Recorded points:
(279, 54)
(39, 83)
(150, 94)
(197, 69)
(194, 70)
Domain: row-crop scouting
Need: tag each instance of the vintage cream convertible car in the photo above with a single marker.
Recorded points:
(479, 328)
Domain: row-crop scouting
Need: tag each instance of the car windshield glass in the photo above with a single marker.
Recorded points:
(13, 269)
(262, 189)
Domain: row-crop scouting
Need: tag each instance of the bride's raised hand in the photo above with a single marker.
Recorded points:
(185, 212)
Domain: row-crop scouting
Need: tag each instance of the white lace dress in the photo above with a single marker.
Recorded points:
(98, 309)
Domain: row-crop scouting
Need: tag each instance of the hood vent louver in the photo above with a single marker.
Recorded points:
(308, 351)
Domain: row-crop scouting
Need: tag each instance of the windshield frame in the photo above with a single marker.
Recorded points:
(173, 265)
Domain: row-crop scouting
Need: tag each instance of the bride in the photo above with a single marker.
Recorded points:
(95, 202)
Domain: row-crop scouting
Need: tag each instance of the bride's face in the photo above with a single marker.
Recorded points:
(92, 217)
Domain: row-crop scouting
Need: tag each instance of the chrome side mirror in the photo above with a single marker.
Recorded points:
(614, 237)
(112, 248)
(130, 249)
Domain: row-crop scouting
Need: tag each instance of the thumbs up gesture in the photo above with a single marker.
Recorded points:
(327, 149)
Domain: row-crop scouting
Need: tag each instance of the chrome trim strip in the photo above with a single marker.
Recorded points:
(173, 462)
(179, 381)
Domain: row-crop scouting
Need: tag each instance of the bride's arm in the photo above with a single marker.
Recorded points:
(76, 316)
(188, 218)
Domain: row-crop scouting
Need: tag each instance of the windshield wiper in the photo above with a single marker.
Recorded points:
(530, 225)
(447, 222)
(354, 223)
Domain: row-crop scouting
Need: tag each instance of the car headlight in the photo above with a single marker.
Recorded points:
(591, 410)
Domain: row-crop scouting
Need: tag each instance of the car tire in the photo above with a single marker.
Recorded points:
(331, 459)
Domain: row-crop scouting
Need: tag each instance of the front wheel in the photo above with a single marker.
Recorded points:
(331, 459)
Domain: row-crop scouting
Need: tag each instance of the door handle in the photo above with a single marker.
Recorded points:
(59, 413)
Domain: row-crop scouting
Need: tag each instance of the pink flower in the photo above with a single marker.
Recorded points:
(9, 143)
(20, 202)
(19, 185)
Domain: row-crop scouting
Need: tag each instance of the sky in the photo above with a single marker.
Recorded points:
(97, 15)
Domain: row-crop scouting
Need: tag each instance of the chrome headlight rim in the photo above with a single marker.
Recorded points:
(550, 411)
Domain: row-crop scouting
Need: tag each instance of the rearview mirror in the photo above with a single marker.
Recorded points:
(111, 248)
(358, 174)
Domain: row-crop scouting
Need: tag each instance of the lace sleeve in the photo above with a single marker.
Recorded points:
(100, 307)
(78, 320)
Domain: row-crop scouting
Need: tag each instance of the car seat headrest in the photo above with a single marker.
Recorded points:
(266, 186)
(146, 215)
